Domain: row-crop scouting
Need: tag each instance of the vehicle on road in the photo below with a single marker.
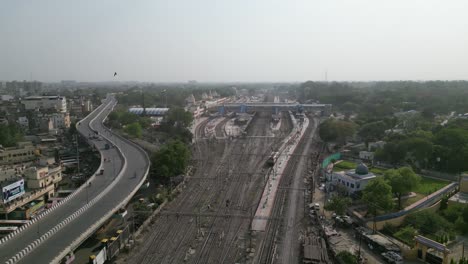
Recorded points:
(392, 257)
(273, 158)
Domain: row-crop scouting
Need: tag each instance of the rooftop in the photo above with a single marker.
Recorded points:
(52, 97)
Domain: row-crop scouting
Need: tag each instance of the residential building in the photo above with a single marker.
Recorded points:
(366, 155)
(376, 145)
(57, 103)
(60, 120)
(25, 196)
(23, 121)
(23, 152)
(40, 177)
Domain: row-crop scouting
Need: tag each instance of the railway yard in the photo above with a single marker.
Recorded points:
(210, 220)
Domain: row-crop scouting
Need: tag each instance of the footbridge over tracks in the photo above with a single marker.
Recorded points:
(325, 109)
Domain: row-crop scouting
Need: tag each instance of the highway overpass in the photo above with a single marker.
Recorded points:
(64, 228)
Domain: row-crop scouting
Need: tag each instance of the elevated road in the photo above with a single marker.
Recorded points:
(125, 169)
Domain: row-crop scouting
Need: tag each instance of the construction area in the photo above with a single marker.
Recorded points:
(247, 200)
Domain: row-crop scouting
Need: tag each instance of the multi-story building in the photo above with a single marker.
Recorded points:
(41, 177)
(23, 197)
(57, 103)
(23, 152)
(60, 120)
(23, 88)
(23, 121)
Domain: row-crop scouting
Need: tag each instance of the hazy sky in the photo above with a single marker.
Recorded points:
(233, 40)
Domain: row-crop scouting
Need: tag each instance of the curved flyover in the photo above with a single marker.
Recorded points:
(63, 228)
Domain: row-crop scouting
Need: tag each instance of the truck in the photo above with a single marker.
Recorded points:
(101, 172)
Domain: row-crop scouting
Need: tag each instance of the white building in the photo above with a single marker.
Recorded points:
(57, 103)
(376, 145)
(353, 180)
(60, 120)
(366, 155)
(23, 121)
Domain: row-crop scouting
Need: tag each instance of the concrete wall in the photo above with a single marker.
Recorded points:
(399, 220)
(464, 184)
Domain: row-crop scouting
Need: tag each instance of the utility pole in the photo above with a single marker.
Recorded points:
(463, 251)
(359, 251)
(77, 155)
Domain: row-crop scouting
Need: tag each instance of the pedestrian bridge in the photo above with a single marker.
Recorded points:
(260, 106)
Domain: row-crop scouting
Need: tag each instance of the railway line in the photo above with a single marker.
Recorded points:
(268, 249)
(223, 184)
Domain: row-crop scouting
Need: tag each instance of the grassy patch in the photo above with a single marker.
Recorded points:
(406, 234)
(377, 171)
(429, 185)
(411, 200)
(346, 165)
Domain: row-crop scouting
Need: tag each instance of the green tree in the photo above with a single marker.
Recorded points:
(406, 234)
(402, 181)
(420, 149)
(171, 160)
(378, 196)
(428, 222)
(372, 131)
(178, 116)
(347, 257)
(336, 130)
(126, 118)
(10, 135)
(338, 204)
(134, 129)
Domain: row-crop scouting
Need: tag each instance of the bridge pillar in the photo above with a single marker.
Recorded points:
(221, 110)
(243, 108)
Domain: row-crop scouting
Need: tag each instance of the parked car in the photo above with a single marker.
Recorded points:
(392, 257)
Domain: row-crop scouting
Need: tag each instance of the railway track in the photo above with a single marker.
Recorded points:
(177, 239)
(221, 227)
(268, 248)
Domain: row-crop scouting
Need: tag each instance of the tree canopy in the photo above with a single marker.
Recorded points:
(338, 204)
(10, 135)
(177, 116)
(372, 131)
(378, 196)
(171, 160)
(134, 129)
(402, 181)
(445, 148)
(336, 130)
(347, 257)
